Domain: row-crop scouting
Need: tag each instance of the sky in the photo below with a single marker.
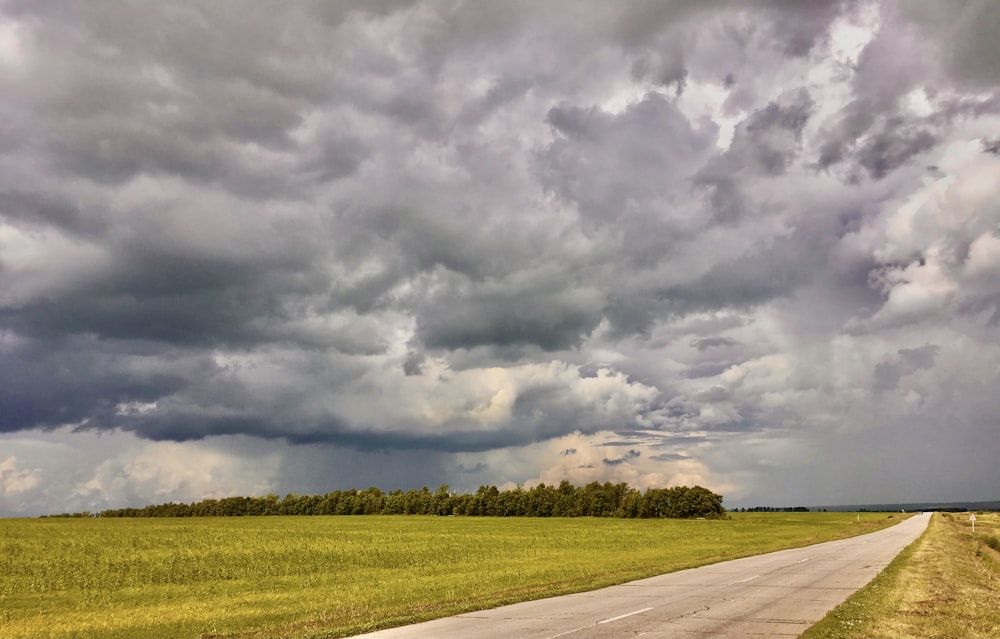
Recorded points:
(297, 247)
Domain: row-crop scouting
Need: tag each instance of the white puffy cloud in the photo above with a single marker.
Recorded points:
(14, 479)
(67, 471)
(934, 252)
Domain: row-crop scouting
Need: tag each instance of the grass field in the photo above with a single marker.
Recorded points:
(946, 584)
(302, 577)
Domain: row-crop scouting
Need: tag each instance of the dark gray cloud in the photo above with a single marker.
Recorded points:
(963, 34)
(909, 360)
(754, 278)
(670, 457)
(620, 170)
(478, 468)
(631, 454)
(768, 140)
(714, 394)
(458, 239)
(413, 364)
(550, 319)
(68, 381)
(707, 369)
(892, 146)
(706, 343)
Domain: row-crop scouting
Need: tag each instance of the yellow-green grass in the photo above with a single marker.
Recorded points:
(945, 584)
(300, 577)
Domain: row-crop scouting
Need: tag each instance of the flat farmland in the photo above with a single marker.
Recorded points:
(947, 584)
(297, 577)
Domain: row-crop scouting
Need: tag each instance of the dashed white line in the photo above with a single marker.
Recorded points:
(628, 614)
(575, 630)
(743, 581)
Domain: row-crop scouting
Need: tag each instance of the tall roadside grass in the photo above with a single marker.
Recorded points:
(295, 577)
(945, 584)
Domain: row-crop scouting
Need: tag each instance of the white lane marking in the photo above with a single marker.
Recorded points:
(628, 614)
(743, 581)
(802, 561)
(569, 632)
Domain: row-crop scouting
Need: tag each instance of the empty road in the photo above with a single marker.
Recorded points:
(779, 594)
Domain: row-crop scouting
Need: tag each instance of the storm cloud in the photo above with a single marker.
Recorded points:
(410, 243)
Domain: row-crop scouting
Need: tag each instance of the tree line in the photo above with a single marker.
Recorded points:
(565, 500)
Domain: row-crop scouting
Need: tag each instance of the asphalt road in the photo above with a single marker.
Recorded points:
(779, 594)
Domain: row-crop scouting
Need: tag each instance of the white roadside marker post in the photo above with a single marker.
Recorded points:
(973, 520)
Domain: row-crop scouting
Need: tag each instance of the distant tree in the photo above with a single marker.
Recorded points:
(594, 500)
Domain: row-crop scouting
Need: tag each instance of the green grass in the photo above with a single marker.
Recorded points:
(296, 577)
(945, 584)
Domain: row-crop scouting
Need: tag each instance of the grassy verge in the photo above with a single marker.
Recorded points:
(297, 577)
(945, 584)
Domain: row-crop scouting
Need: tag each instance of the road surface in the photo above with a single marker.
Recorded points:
(779, 594)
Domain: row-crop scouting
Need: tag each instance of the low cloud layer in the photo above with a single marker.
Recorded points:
(754, 246)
